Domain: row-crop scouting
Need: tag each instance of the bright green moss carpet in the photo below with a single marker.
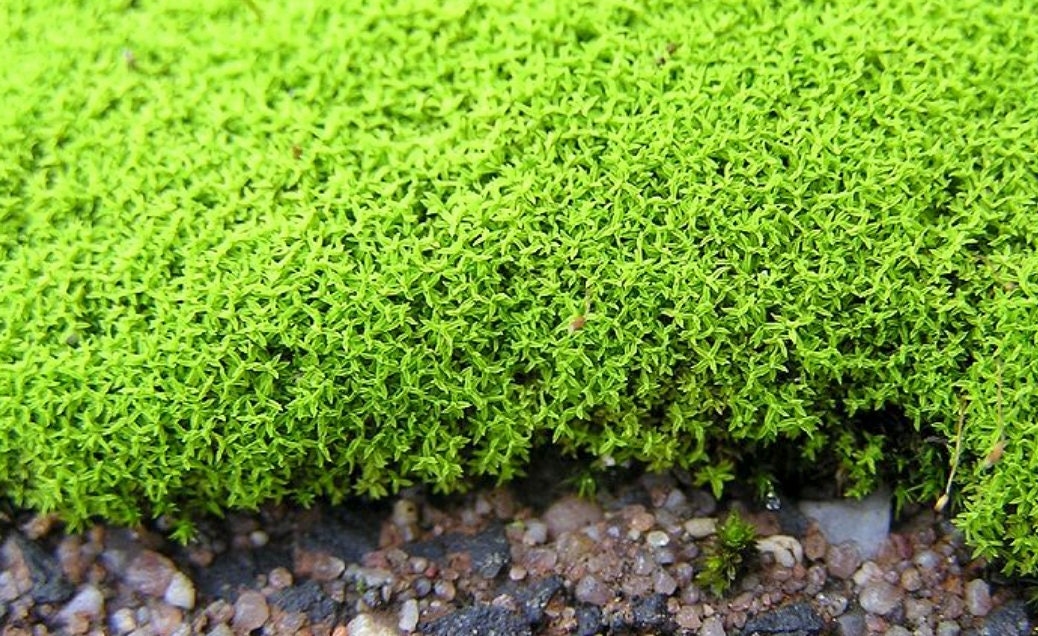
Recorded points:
(344, 247)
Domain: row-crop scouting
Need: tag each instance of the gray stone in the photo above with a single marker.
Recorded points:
(536, 532)
(701, 527)
(865, 522)
(308, 598)
(88, 602)
(1009, 620)
(489, 550)
(879, 597)
(49, 584)
(948, 628)
(978, 597)
(589, 620)
(712, 626)
(534, 598)
(898, 630)
(664, 583)
(590, 590)
(478, 619)
(917, 610)
(851, 624)
(650, 615)
(799, 619)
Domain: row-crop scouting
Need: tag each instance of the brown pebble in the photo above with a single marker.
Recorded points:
(40, 525)
(570, 514)
(445, 590)
(280, 578)
(150, 573)
(70, 555)
(250, 612)
(842, 560)
(642, 522)
(815, 544)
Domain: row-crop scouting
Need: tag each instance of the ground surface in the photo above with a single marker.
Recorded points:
(531, 559)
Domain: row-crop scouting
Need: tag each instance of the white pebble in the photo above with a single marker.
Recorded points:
(123, 622)
(89, 602)
(408, 616)
(181, 591)
(786, 549)
(369, 625)
(657, 538)
(258, 538)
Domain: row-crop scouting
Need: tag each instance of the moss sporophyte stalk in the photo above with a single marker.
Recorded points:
(322, 249)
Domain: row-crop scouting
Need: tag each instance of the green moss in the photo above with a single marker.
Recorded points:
(728, 555)
(344, 249)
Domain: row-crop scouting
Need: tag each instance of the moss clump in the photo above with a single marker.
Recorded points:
(343, 249)
(728, 555)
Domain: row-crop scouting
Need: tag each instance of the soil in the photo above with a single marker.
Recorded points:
(530, 558)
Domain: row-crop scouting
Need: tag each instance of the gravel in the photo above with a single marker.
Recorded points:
(489, 561)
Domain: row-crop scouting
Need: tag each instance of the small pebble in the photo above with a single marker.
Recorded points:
(327, 568)
(948, 628)
(590, 590)
(842, 560)
(978, 597)
(917, 611)
(88, 603)
(712, 626)
(911, 580)
(816, 578)
(701, 527)
(898, 630)
(815, 544)
(408, 616)
(664, 583)
(181, 592)
(445, 590)
(422, 586)
(657, 539)
(642, 522)
(123, 621)
(676, 501)
(250, 611)
(517, 573)
(536, 532)
(786, 550)
(165, 620)
(279, 578)
(150, 573)
(258, 538)
(927, 560)
(879, 597)
(369, 625)
(570, 514)
(867, 573)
